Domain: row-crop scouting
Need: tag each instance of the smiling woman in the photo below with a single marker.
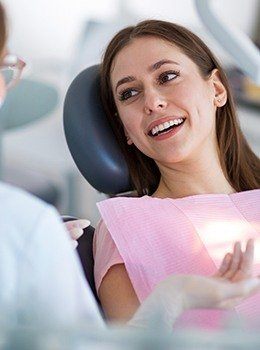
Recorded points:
(169, 103)
(157, 45)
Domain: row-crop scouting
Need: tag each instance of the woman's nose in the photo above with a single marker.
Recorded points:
(154, 102)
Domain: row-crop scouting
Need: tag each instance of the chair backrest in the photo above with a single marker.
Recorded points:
(94, 149)
(90, 138)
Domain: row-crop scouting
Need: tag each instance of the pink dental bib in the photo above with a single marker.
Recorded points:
(158, 237)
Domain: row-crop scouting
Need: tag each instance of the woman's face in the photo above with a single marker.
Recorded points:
(167, 108)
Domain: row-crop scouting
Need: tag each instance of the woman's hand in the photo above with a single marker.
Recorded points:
(238, 265)
(76, 229)
(183, 292)
(231, 284)
(205, 292)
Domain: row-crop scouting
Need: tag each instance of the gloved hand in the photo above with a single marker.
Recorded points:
(183, 292)
(75, 229)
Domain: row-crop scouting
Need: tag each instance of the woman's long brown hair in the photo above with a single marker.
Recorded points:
(239, 163)
(3, 29)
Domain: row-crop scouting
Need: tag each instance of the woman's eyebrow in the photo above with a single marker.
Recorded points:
(153, 67)
(158, 64)
(124, 80)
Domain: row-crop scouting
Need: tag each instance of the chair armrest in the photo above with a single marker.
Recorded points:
(85, 252)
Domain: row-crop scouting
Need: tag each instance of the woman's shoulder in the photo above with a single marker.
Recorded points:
(125, 206)
(253, 194)
(102, 237)
(149, 199)
(101, 232)
(124, 202)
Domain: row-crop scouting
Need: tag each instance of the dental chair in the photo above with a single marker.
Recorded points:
(94, 149)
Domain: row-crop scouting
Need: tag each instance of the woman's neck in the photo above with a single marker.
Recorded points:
(191, 178)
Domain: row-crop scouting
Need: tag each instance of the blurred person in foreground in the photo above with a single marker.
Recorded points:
(41, 279)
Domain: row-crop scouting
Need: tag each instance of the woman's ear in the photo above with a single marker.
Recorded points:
(220, 92)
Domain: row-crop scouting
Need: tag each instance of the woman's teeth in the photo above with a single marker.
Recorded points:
(165, 126)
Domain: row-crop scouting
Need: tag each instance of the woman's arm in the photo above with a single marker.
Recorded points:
(120, 302)
(231, 285)
(117, 295)
(184, 292)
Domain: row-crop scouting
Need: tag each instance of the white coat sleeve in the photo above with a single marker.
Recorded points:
(50, 285)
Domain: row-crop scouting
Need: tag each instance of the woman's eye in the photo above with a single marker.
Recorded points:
(167, 76)
(125, 95)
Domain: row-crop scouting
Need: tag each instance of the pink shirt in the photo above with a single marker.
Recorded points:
(157, 237)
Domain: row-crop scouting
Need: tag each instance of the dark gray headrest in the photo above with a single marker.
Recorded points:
(90, 138)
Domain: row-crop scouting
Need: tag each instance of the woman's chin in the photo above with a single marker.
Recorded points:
(172, 159)
(174, 154)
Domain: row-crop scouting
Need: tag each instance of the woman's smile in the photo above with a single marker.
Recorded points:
(165, 128)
